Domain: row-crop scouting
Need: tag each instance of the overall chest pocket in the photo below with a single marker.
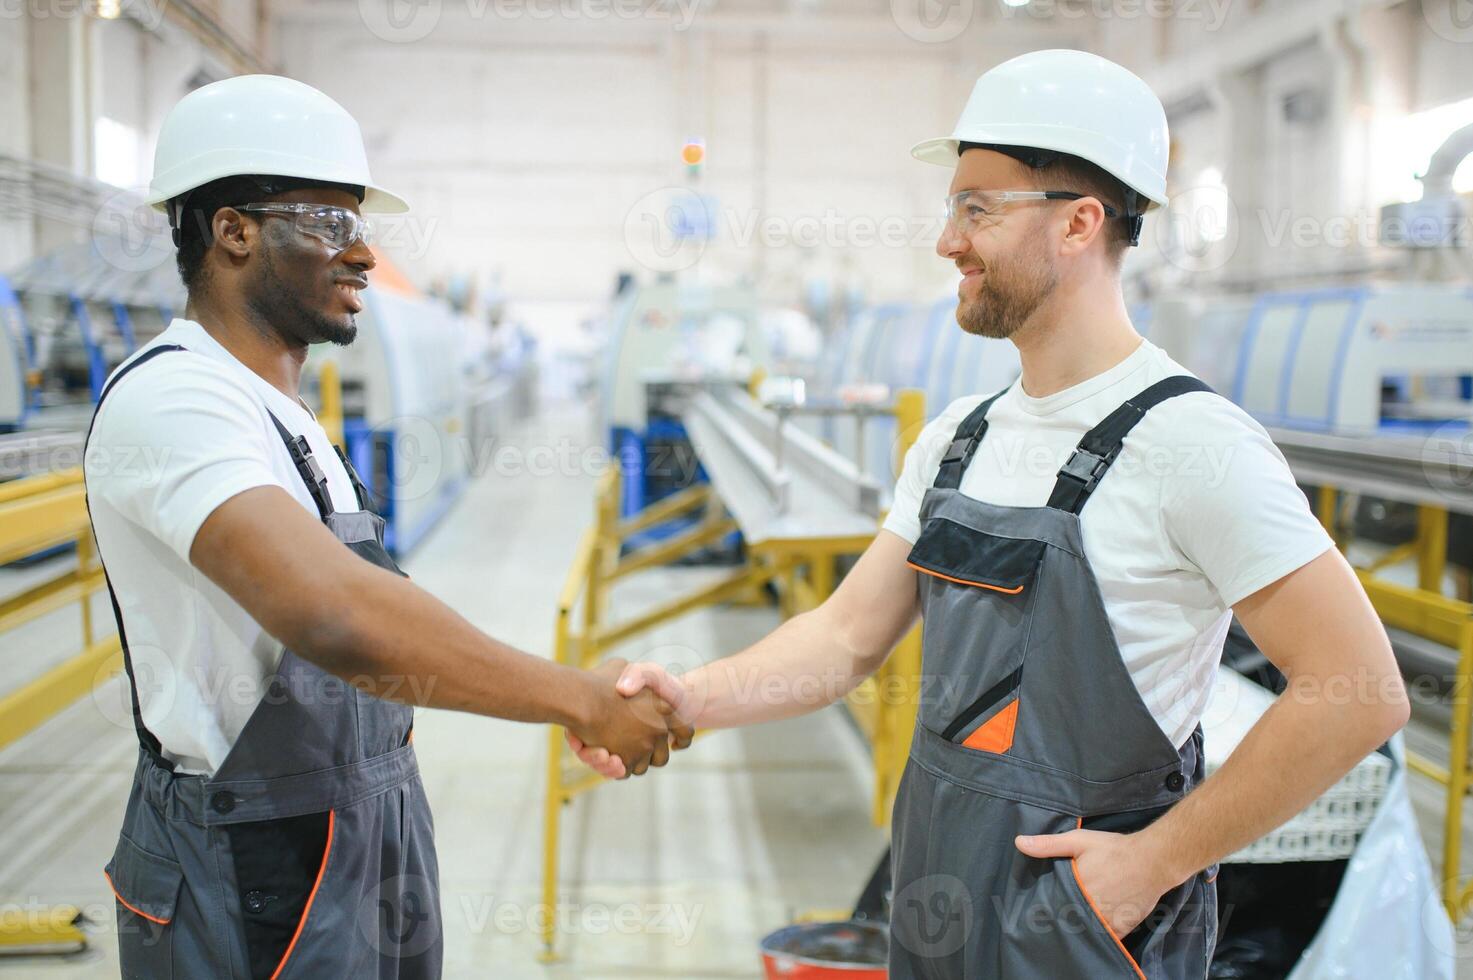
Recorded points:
(976, 591)
(965, 556)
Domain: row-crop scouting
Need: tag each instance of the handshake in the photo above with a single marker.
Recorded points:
(638, 714)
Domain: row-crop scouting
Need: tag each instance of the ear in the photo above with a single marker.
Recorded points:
(1084, 223)
(233, 233)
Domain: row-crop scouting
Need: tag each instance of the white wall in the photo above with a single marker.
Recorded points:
(61, 71)
(526, 144)
(16, 233)
(1305, 193)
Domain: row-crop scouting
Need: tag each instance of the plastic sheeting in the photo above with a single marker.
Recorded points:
(1387, 921)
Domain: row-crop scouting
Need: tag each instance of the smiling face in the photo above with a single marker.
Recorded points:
(303, 287)
(1007, 262)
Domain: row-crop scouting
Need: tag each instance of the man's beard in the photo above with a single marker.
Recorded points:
(1008, 294)
(278, 306)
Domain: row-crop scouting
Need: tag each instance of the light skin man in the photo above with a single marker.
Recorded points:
(1043, 275)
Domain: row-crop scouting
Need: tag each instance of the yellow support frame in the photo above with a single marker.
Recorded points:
(37, 514)
(330, 414)
(1424, 611)
(804, 572)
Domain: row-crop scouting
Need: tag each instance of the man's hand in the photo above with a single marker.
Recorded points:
(632, 730)
(641, 680)
(1119, 878)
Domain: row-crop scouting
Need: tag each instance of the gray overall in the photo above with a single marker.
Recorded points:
(1030, 723)
(310, 852)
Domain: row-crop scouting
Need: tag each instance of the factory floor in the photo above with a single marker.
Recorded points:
(675, 875)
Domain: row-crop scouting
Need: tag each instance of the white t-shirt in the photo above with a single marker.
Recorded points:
(1198, 512)
(175, 439)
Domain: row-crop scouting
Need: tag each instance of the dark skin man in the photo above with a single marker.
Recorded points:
(266, 293)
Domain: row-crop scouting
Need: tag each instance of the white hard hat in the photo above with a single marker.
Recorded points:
(1070, 102)
(262, 124)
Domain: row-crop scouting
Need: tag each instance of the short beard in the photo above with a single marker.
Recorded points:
(1009, 293)
(277, 306)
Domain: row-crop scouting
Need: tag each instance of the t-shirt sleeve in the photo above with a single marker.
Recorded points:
(918, 472)
(174, 442)
(1233, 508)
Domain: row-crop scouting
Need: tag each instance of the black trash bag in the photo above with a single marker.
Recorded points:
(1267, 914)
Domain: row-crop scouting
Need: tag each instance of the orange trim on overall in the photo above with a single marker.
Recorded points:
(996, 733)
(129, 906)
(1214, 877)
(311, 897)
(1074, 869)
(962, 581)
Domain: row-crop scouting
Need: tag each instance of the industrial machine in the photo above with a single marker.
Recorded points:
(16, 346)
(74, 314)
(661, 333)
(425, 396)
(900, 346)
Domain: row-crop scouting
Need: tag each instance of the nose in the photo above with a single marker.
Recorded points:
(951, 245)
(360, 256)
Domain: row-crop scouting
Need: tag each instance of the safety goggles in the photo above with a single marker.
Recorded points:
(970, 210)
(336, 226)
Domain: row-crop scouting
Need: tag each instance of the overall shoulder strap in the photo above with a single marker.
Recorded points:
(964, 445)
(307, 467)
(146, 738)
(122, 373)
(1101, 445)
(360, 490)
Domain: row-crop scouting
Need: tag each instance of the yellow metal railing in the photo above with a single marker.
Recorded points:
(37, 514)
(803, 572)
(330, 394)
(1424, 611)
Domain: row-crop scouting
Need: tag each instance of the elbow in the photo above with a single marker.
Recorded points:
(1396, 713)
(1389, 711)
(330, 634)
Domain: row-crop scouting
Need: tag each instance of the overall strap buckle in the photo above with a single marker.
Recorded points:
(306, 463)
(1087, 467)
(1101, 445)
(964, 448)
(300, 451)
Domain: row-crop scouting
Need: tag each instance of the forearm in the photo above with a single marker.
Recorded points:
(1300, 747)
(396, 641)
(808, 662)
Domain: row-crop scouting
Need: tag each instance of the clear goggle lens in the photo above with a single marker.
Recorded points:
(336, 226)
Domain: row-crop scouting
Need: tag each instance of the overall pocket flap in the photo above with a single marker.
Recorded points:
(146, 884)
(968, 556)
